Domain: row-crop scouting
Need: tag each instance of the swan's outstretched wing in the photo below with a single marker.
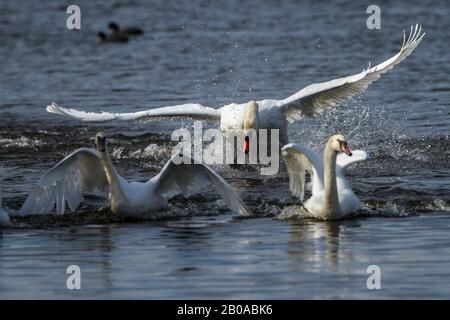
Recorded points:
(189, 110)
(193, 178)
(298, 159)
(317, 97)
(343, 160)
(79, 173)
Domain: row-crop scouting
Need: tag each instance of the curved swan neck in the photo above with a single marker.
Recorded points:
(331, 200)
(111, 175)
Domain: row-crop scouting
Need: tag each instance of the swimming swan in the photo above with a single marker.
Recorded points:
(332, 196)
(238, 119)
(91, 171)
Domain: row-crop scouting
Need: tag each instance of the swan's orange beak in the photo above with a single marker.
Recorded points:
(246, 144)
(345, 148)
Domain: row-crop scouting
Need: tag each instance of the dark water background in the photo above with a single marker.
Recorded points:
(216, 53)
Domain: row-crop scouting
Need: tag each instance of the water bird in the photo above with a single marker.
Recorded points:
(105, 38)
(91, 171)
(332, 196)
(238, 119)
(114, 28)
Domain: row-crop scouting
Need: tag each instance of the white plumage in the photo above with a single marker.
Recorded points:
(332, 196)
(90, 171)
(273, 114)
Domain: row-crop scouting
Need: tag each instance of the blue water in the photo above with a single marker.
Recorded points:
(216, 53)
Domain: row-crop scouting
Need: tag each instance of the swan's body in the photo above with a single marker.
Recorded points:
(91, 171)
(332, 196)
(272, 114)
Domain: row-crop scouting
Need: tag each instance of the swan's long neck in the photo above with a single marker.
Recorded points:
(331, 201)
(111, 176)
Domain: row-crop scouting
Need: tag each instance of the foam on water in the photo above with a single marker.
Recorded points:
(21, 142)
(200, 206)
(153, 152)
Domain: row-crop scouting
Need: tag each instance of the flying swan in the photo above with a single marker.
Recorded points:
(237, 119)
(332, 196)
(91, 171)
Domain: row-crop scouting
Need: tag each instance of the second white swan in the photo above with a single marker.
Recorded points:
(332, 196)
(91, 171)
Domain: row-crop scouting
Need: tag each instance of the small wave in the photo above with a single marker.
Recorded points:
(388, 209)
(433, 205)
(439, 204)
(298, 212)
(89, 213)
(152, 151)
(21, 142)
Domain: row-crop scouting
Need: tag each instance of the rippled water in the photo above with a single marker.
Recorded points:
(217, 53)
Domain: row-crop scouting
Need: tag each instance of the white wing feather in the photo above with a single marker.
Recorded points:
(343, 160)
(192, 178)
(317, 97)
(79, 173)
(189, 110)
(298, 159)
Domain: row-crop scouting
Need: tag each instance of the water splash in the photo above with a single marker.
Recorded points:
(151, 152)
(21, 142)
(363, 126)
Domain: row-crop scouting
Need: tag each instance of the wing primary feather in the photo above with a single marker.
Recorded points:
(79, 173)
(189, 178)
(318, 97)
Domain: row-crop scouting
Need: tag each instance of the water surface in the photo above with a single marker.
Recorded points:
(217, 53)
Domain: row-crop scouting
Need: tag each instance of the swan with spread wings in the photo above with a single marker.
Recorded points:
(91, 171)
(332, 195)
(239, 119)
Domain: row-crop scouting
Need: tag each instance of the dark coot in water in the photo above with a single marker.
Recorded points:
(103, 37)
(114, 28)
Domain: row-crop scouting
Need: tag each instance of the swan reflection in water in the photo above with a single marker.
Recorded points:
(318, 243)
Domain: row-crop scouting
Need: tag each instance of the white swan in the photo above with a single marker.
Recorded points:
(268, 113)
(332, 196)
(91, 171)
